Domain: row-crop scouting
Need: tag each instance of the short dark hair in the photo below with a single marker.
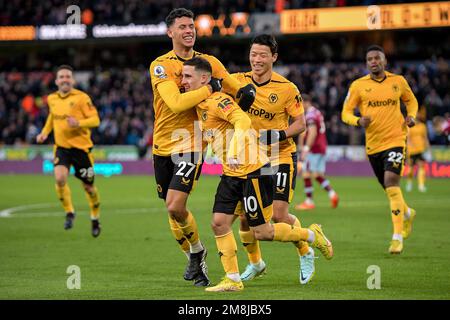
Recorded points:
(64, 67)
(178, 13)
(199, 64)
(374, 47)
(266, 40)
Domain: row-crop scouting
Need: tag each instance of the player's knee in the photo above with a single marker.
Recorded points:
(391, 182)
(88, 187)
(61, 181)
(176, 211)
(219, 228)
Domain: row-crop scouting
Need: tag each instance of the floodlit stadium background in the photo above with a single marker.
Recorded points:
(111, 44)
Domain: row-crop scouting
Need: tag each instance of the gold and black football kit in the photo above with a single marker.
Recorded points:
(176, 134)
(387, 131)
(72, 145)
(277, 100)
(228, 130)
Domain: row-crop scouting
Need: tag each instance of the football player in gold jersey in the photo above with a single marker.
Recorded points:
(378, 95)
(177, 143)
(247, 178)
(277, 101)
(71, 117)
(416, 147)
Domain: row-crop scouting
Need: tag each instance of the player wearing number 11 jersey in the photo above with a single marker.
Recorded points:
(377, 95)
(278, 115)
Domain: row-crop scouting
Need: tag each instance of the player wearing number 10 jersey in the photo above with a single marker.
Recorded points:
(378, 97)
(247, 178)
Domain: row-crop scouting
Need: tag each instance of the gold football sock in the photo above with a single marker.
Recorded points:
(94, 203)
(226, 244)
(302, 247)
(189, 229)
(65, 196)
(421, 175)
(251, 245)
(286, 233)
(397, 208)
(178, 235)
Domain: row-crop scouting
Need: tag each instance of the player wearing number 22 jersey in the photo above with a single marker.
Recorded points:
(378, 95)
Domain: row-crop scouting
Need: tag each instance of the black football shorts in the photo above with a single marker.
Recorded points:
(392, 159)
(178, 172)
(284, 178)
(254, 194)
(82, 162)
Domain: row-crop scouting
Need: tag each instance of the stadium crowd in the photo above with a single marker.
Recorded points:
(33, 12)
(124, 99)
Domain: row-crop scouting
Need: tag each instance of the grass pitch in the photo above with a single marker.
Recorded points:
(136, 257)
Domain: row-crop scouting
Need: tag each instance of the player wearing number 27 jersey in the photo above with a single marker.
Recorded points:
(176, 149)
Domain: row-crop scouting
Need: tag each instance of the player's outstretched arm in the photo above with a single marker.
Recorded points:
(179, 102)
(245, 95)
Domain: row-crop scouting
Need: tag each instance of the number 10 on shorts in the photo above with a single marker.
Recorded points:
(250, 204)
